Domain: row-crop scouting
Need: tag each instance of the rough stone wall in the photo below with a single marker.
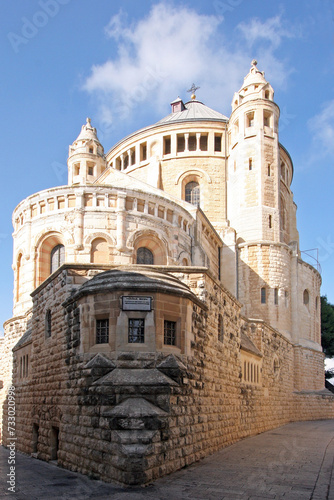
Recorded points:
(135, 416)
(266, 266)
(13, 331)
(309, 369)
(308, 313)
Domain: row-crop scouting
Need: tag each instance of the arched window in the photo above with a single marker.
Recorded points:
(57, 257)
(306, 297)
(99, 251)
(48, 324)
(192, 193)
(144, 256)
(283, 214)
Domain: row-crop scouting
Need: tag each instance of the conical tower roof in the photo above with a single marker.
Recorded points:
(87, 132)
(254, 76)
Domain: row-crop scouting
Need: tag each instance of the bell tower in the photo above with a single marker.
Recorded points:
(253, 202)
(86, 160)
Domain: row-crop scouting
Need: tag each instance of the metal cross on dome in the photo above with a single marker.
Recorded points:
(193, 89)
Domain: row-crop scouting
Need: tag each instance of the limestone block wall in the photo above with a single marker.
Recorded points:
(171, 172)
(253, 170)
(266, 267)
(309, 369)
(13, 331)
(76, 216)
(133, 416)
(307, 285)
(288, 222)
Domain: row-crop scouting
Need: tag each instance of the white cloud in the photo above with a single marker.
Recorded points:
(161, 55)
(271, 31)
(322, 128)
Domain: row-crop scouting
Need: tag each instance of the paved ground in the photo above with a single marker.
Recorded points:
(291, 462)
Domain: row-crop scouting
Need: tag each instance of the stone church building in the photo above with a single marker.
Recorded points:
(162, 309)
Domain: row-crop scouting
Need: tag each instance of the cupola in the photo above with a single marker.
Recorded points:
(255, 86)
(86, 160)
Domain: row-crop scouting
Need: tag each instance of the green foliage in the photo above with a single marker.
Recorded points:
(327, 327)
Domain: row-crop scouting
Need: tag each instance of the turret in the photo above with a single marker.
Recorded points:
(86, 160)
(254, 160)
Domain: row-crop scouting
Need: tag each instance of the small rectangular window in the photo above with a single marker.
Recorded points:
(181, 143)
(90, 170)
(218, 143)
(250, 163)
(167, 145)
(203, 142)
(102, 331)
(269, 172)
(250, 119)
(263, 296)
(136, 331)
(192, 142)
(169, 332)
(270, 222)
(143, 152)
(267, 118)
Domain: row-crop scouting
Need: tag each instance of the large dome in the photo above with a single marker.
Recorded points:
(194, 110)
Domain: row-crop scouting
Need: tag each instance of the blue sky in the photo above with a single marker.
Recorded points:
(123, 62)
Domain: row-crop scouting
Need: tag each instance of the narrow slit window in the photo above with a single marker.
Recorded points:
(250, 163)
(263, 296)
(48, 324)
(276, 296)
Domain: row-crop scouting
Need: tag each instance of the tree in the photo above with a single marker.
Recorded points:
(327, 327)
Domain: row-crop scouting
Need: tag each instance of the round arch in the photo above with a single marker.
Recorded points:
(153, 242)
(109, 239)
(43, 255)
(99, 252)
(199, 173)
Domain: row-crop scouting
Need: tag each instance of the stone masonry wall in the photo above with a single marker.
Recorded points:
(135, 416)
(14, 329)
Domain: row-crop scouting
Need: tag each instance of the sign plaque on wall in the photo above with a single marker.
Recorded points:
(136, 303)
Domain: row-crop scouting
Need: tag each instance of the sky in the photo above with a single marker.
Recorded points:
(122, 62)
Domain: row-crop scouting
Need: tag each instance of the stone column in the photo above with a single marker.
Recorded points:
(186, 142)
(129, 155)
(198, 141)
(121, 215)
